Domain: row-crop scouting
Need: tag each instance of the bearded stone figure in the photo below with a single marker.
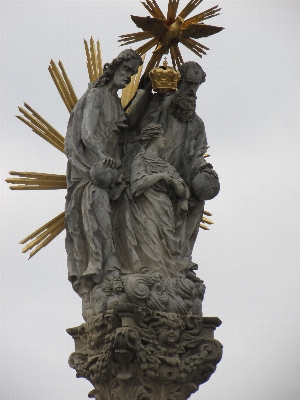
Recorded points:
(185, 139)
(136, 189)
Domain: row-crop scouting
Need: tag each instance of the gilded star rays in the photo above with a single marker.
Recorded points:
(165, 33)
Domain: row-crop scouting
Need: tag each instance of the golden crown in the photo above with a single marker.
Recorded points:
(164, 78)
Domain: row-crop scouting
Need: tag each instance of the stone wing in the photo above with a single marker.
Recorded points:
(197, 31)
(156, 26)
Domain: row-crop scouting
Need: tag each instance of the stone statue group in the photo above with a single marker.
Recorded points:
(136, 189)
(137, 183)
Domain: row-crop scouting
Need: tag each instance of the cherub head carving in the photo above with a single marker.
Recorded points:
(95, 328)
(113, 285)
(156, 282)
(168, 328)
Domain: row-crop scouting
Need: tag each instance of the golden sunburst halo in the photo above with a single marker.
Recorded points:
(167, 32)
(45, 181)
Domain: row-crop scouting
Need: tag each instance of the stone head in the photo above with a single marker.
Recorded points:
(168, 333)
(112, 283)
(120, 69)
(168, 328)
(192, 76)
(153, 134)
(94, 331)
(117, 286)
(156, 282)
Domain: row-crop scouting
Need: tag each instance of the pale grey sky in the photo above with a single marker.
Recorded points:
(249, 259)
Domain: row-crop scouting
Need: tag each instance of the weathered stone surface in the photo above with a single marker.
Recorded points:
(92, 139)
(134, 353)
(181, 295)
(136, 190)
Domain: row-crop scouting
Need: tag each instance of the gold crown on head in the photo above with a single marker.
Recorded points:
(164, 78)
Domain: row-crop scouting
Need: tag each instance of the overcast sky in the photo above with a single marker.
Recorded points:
(249, 259)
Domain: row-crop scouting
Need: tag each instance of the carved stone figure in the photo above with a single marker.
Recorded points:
(136, 181)
(135, 199)
(93, 174)
(185, 138)
(156, 199)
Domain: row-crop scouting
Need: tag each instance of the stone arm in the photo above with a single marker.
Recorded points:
(200, 147)
(94, 108)
(179, 187)
(150, 180)
(138, 107)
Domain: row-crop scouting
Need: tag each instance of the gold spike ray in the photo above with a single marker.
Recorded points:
(89, 61)
(63, 85)
(207, 213)
(147, 46)
(154, 62)
(153, 8)
(134, 37)
(129, 91)
(207, 221)
(194, 46)
(68, 83)
(210, 13)
(52, 133)
(44, 122)
(173, 57)
(94, 59)
(190, 7)
(36, 181)
(206, 155)
(44, 235)
(172, 9)
(41, 127)
(176, 56)
(99, 58)
(49, 239)
(202, 226)
(39, 238)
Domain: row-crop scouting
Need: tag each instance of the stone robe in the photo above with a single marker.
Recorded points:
(92, 135)
(184, 149)
(147, 236)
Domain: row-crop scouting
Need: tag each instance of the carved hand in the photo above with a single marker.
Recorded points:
(178, 187)
(166, 177)
(109, 162)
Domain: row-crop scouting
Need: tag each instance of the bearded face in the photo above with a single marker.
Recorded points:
(183, 106)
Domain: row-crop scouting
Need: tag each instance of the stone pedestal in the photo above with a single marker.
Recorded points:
(133, 353)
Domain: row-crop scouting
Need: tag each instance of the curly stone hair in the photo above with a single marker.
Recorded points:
(110, 68)
(149, 133)
(195, 66)
(154, 277)
(107, 286)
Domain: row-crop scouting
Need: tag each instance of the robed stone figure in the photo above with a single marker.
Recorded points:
(92, 147)
(150, 211)
(185, 138)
